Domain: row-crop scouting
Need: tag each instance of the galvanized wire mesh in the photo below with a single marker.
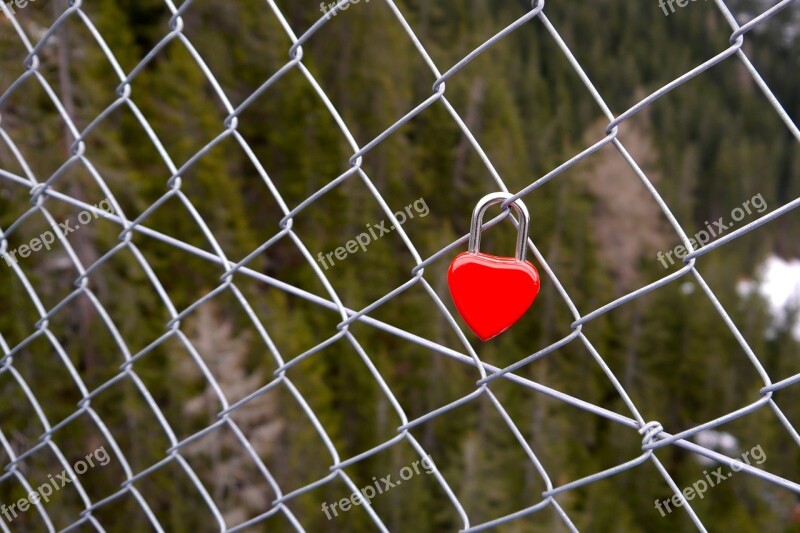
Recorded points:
(44, 193)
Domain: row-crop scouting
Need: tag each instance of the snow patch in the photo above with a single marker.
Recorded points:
(718, 441)
(778, 282)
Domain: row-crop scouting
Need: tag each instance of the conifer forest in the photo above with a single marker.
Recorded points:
(200, 334)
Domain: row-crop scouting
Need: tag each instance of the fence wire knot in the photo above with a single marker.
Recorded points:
(650, 430)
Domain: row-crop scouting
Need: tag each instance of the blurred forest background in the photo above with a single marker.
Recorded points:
(708, 146)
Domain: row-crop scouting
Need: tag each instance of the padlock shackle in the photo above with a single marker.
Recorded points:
(477, 221)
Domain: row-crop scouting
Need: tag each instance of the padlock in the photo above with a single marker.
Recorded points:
(490, 292)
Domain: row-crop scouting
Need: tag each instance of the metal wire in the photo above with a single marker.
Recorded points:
(42, 193)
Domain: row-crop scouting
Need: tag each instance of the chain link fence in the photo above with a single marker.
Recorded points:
(45, 193)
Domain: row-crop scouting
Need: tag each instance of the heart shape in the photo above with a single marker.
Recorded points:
(491, 292)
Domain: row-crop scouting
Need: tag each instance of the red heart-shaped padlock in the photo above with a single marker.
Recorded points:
(491, 292)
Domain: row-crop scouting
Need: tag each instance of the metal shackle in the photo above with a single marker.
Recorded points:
(477, 221)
